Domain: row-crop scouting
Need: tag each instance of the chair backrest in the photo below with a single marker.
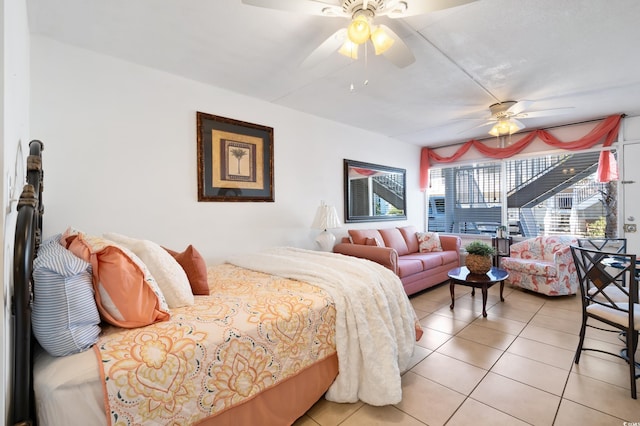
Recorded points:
(618, 245)
(606, 278)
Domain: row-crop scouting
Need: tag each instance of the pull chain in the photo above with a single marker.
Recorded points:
(366, 61)
(366, 69)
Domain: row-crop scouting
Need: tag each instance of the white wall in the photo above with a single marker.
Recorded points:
(14, 114)
(631, 129)
(120, 156)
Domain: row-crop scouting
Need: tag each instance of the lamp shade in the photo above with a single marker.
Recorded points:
(326, 218)
(381, 40)
(505, 126)
(349, 49)
(359, 30)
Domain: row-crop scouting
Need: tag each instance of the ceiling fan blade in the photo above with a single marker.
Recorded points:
(545, 113)
(329, 46)
(519, 106)
(411, 8)
(309, 7)
(518, 124)
(399, 54)
(477, 126)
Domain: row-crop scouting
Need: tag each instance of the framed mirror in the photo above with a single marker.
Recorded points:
(373, 192)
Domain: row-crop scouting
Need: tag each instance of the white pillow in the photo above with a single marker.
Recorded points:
(169, 275)
(428, 242)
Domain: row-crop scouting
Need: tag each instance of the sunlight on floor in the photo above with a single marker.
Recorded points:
(514, 367)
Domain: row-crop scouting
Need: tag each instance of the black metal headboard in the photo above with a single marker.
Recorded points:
(27, 239)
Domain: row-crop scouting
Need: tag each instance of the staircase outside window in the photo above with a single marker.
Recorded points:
(545, 195)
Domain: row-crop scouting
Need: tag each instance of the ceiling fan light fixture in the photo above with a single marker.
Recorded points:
(504, 127)
(349, 49)
(381, 40)
(359, 30)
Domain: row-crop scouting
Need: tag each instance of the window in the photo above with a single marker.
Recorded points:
(551, 194)
(466, 199)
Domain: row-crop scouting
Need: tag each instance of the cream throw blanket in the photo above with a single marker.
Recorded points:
(375, 322)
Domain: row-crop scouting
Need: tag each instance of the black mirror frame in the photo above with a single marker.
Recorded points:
(352, 218)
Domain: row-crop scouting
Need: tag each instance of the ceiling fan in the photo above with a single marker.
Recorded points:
(506, 116)
(362, 27)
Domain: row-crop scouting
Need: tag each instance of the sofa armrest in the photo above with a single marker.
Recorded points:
(385, 256)
(566, 269)
(517, 248)
(450, 242)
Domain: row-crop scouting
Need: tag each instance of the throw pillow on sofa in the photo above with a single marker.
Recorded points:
(374, 242)
(429, 241)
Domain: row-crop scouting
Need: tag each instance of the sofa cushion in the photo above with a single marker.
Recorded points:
(449, 256)
(393, 238)
(429, 260)
(359, 236)
(409, 235)
(529, 266)
(408, 267)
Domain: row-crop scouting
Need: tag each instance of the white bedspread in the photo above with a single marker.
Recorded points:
(375, 322)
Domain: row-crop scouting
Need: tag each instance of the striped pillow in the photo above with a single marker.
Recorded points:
(65, 318)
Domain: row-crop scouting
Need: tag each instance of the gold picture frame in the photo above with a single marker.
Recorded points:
(235, 160)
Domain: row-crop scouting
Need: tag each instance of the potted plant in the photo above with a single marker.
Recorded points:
(478, 259)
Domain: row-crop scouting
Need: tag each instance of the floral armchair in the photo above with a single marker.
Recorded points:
(543, 264)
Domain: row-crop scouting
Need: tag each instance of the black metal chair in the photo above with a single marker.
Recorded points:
(609, 292)
(618, 245)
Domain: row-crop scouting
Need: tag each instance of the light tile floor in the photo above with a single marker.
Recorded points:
(514, 367)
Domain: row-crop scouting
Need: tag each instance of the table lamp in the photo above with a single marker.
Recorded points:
(326, 218)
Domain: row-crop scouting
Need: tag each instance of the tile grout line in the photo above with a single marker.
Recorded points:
(489, 370)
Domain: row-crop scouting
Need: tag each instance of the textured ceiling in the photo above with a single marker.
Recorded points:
(581, 54)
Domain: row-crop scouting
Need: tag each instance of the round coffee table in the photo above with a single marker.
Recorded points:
(462, 276)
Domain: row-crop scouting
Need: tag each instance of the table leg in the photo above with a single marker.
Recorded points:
(501, 289)
(484, 300)
(451, 284)
(473, 291)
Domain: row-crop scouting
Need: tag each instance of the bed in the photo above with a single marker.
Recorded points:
(277, 330)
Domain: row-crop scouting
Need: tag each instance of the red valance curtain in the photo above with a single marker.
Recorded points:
(607, 168)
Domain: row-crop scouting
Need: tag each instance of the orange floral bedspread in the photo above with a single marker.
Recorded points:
(252, 332)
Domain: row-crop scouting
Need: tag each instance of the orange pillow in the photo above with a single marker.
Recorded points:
(373, 242)
(126, 293)
(195, 268)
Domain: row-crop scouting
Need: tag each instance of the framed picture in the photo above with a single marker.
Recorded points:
(235, 160)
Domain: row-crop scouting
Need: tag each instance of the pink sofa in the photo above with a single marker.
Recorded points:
(398, 250)
(543, 264)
